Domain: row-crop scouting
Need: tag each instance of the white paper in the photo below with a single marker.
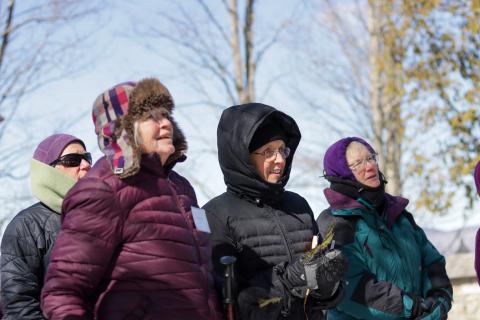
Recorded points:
(314, 242)
(200, 219)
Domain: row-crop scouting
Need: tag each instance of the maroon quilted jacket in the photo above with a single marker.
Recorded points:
(128, 249)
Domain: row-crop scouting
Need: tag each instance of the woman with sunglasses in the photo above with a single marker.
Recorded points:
(394, 271)
(266, 228)
(58, 163)
(129, 247)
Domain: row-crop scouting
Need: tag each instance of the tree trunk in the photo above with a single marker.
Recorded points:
(236, 50)
(385, 100)
(249, 94)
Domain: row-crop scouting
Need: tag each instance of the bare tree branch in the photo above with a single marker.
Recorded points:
(214, 20)
(6, 32)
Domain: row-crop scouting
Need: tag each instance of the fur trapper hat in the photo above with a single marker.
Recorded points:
(114, 114)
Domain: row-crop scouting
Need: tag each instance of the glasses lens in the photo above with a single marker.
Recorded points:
(88, 157)
(269, 154)
(272, 155)
(74, 159)
(361, 164)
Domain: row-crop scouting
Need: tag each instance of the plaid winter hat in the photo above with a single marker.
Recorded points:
(114, 114)
(52, 147)
(108, 109)
(335, 161)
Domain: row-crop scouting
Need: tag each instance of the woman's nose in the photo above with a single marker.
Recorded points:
(370, 165)
(164, 123)
(279, 158)
(85, 165)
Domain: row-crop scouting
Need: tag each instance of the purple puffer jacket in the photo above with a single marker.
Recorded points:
(128, 249)
(477, 255)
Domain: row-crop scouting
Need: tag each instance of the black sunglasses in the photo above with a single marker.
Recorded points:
(73, 159)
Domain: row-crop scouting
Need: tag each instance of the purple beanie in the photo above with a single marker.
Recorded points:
(52, 147)
(335, 161)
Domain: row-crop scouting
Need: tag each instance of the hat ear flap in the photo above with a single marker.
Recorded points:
(108, 112)
(130, 150)
(179, 142)
(116, 143)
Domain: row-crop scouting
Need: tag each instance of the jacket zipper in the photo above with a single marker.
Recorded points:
(283, 232)
(384, 229)
(206, 288)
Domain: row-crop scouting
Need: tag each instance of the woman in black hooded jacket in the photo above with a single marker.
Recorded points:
(265, 227)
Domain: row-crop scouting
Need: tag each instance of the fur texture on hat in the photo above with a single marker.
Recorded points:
(114, 114)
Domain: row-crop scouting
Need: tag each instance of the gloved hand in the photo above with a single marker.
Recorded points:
(321, 274)
(434, 307)
(437, 311)
(331, 268)
(419, 306)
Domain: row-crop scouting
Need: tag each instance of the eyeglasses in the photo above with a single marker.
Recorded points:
(361, 164)
(270, 155)
(73, 159)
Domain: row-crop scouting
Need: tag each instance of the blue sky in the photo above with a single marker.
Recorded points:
(113, 55)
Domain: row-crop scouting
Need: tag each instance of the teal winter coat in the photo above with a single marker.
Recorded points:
(390, 258)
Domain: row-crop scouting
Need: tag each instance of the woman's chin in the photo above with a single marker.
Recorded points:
(164, 153)
(373, 183)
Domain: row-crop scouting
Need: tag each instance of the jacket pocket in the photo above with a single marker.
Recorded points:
(141, 310)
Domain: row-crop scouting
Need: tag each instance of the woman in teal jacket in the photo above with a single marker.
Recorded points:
(394, 271)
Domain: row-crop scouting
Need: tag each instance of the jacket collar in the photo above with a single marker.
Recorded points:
(152, 163)
(394, 205)
(49, 185)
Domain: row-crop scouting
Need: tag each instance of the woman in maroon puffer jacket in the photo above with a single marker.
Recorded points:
(128, 247)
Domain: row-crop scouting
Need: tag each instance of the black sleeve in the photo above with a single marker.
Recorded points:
(21, 271)
(264, 286)
(344, 230)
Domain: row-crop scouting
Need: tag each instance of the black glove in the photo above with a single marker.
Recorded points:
(430, 308)
(320, 303)
(320, 274)
(331, 268)
(437, 311)
(436, 305)
(419, 306)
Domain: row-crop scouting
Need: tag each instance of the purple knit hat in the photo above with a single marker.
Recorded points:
(52, 147)
(335, 161)
(476, 176)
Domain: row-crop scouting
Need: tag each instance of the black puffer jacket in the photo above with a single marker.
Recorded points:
(26, 246)
(259, 223)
